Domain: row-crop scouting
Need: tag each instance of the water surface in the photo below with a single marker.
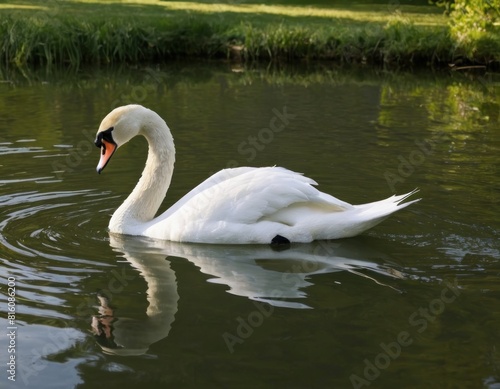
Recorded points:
(412, 303)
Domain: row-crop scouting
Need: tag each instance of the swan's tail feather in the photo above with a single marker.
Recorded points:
(399, 199)
(384, 208)
(362, 217)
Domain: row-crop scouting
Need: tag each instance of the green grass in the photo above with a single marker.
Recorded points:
(78, 32)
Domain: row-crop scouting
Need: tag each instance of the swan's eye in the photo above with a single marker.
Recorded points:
(104, 135)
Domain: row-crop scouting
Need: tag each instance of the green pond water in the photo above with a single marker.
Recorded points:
(412, 303)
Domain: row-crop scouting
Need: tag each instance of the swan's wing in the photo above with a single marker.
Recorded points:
(248, 195)
(204, 187)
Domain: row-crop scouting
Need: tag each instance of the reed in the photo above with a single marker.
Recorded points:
(75, 41)
(398, 42)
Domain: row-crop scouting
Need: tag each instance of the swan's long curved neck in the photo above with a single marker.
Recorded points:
(143, 203)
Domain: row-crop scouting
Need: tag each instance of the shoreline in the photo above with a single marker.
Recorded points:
(47, 37)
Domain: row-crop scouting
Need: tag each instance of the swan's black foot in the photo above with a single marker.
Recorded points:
(280, 242)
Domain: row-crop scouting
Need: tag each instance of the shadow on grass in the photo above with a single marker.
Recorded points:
(234, 11)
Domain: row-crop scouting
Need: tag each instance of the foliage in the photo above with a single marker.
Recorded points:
(479, 15)
(474, 26)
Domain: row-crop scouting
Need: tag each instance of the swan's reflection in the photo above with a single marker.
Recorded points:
(126, 336)
(262, 273)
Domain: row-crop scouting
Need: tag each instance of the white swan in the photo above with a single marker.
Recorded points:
(235, 206)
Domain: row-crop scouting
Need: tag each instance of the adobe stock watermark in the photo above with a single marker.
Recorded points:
(246, 326)
(418, 321)
(292, 279)
(75, 155)
(137, 94)
(254, 144)
(250, 148)
(415, 158)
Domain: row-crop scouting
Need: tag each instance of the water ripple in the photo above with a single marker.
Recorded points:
(24, 210)
(43, 234)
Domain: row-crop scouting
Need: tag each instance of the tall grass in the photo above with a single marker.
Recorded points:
(93, 39)
(74, 41)
(397, 42)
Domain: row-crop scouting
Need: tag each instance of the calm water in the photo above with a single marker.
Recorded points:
(413, 303)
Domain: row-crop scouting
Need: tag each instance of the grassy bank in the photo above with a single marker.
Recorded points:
(79, 31)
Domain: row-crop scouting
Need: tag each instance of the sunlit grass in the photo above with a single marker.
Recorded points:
(421, 15)
(358, 13)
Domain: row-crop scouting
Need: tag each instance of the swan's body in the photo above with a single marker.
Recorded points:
(241, 205)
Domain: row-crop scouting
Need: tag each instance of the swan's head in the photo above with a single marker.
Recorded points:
(116, 129)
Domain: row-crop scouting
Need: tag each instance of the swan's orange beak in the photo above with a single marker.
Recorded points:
(107, 151)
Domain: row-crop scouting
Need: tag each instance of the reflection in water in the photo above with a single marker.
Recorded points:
(260, 273)
(128, 336)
